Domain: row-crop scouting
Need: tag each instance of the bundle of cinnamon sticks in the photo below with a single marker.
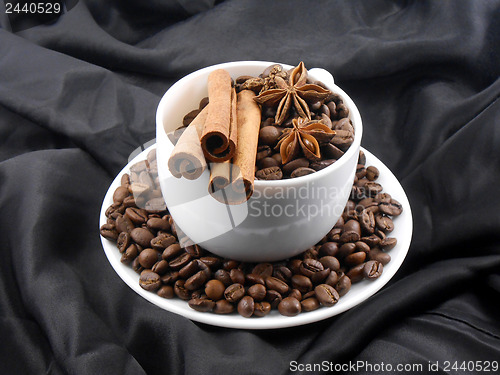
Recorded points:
(223, 136)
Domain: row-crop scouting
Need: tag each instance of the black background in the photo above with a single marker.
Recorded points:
(77, 96)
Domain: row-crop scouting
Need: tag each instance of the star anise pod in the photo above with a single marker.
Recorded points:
(305, 135)
(296, 92)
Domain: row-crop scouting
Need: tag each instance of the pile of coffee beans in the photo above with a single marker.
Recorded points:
(355, 249)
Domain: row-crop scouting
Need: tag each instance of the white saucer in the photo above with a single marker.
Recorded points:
(359, 292)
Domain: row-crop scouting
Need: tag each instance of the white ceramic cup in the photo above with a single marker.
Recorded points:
(282, 218)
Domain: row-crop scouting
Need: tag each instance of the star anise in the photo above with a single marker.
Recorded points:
(296, 92)
(305, 135)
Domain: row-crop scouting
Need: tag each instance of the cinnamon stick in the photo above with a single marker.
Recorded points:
(242, 169)
(219, 138)
(187, 159)
(249, 115)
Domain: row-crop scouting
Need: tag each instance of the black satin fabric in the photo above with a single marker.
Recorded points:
(79, 95)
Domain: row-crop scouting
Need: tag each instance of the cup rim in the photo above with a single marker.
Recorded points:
(307, 179)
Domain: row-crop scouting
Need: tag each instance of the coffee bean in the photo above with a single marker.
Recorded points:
(251, 278)
(329, 249)
(362, 246)
(124, 224)
(263, 269)
(160, 267)
(355, 258)
(367, 221)
(268, 162)
(137, 215)
(372, 188)
(283, 273)
(289, 167)
(269, 136)
(319, 276)
(142, 236)
(196, 281)
(201, 304)
(277, 157)
(384, 223)
(223, 307)
(325, 110)
(181, 291)
(223, 276)
(294, 265)
(388, 243)
(237, 276)
(262, 308)
(246, 306)
(392, 208)
(149, 280)
(130, 254)
(332, 278)
(372, 240)
(315, 106)
(382, 197)
(372, 173)
(170, 277)
(162, 241)
(271, 173)
(262, 152)
(373, 269)
(326, 295)
(343, 285)
(342, 139)
(274, 298)
(325, 119)
(351, 232)
(346, 250)
(344, 124)
(234, 292)
(166, 291)
(362, 158)
(171, 251)
(331, 107)
(214, 289)
(319, 165)
(204, 268)
(310, 253)
(157, 224)
(302, 283)
(289, 306)
(356, 273)
(342, 111)
(276, 284)
(120, 194)
(331, 151)
(310, 266)
(303, 171)
(194, 250)
(125, 181)
(188, 118)
(180, 261)
(148, 257)
(295, 293)
(257, 292)
(309, 304)
(136, 266)
(330, 262)
(212, 262)
(380, 256)
(123, 241)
